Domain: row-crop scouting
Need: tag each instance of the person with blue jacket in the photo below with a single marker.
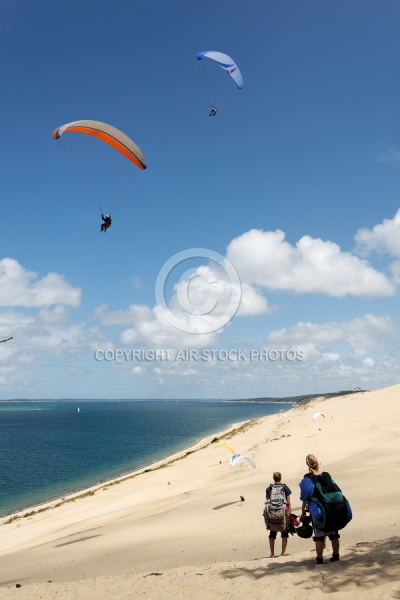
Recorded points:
(306, 491)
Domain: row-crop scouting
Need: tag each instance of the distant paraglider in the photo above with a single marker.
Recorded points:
(225, 446)
(317, 415)
(235, 458)
(112, 137)
(227, 64)
(107, 221)
(108, 134)
(7, 340)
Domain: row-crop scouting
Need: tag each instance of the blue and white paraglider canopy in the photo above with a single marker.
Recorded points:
(226, 63)
(237, 457)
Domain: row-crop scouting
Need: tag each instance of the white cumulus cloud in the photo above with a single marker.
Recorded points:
(361, 334)
(384, 237)
(266, 259)
(19, 287)
(148, 326)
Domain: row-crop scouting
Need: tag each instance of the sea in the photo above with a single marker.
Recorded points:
(50, 449)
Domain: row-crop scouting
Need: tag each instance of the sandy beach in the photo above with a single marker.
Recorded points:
(178, 529)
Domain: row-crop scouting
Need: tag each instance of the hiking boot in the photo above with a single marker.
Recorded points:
(335, 557)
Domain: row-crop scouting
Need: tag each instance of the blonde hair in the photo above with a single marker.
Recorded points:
(312, 462)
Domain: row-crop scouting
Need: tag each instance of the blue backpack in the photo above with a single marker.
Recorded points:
(334, 509)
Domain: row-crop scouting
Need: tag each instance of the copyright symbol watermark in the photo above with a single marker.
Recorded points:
(205, 298)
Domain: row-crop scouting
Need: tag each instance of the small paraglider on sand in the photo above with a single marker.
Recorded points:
(317, 415)
(235, 458)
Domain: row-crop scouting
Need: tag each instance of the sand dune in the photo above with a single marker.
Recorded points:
(179, 530)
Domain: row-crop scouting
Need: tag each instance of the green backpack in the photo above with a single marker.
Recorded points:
(335, 509)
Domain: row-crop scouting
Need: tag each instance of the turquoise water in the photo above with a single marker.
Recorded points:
(50, 449)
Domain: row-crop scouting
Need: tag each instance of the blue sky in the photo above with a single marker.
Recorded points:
(278, 219)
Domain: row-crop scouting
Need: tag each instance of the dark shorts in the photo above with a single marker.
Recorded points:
(284, 534)
(320, 535)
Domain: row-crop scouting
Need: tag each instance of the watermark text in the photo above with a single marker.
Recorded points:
(195, 355)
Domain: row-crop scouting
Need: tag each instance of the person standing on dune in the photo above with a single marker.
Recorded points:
(277, 512)
(317, 492)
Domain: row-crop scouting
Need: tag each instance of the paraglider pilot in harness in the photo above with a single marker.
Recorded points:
(107, 222)
(213, 111)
